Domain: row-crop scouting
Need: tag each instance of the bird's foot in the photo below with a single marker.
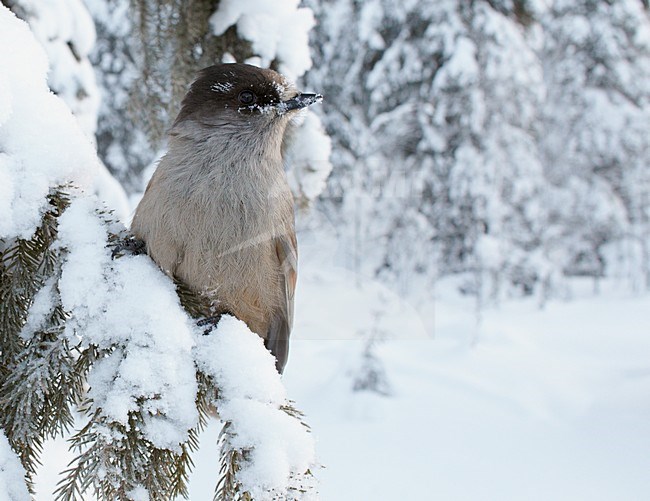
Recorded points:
(129, 245)
(209, 323)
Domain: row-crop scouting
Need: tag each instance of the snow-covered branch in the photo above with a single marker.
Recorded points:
(263, 426)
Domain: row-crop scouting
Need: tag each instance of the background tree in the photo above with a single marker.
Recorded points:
(436, 148)
(496, 138)
(594, 141)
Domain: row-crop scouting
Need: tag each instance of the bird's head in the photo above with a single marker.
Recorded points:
(242, 96)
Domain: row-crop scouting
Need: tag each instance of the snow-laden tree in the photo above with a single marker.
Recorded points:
(149, 51)
(122, 143)
(95, 337)
(437, 169)
(595, 140)
(506, 138)
(66, 32)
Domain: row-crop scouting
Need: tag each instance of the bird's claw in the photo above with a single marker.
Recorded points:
(209, 322)
(129, 245)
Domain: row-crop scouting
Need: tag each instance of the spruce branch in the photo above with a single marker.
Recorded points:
(38, 384)
(206, 393)
(38, 398)
(198, 306)
(25, 265)
(233, 459)
(116, 460)
(229, 488)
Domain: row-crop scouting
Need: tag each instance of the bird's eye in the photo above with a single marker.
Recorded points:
(247, 97)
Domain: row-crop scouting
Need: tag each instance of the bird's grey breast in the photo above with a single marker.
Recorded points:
(236, 201)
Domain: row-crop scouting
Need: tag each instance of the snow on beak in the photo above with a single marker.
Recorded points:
(298, 102)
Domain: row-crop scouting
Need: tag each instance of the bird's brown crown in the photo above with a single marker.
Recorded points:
(234, 89)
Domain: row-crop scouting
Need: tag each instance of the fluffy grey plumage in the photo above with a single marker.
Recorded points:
(218, 212)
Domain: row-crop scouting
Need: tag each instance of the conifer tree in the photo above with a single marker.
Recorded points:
(428, 147)
(504, 136)
(594, 141)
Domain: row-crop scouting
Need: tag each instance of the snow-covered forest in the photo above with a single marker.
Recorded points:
(473, 212)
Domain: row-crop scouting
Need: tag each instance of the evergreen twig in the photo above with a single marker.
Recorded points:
(38, 383)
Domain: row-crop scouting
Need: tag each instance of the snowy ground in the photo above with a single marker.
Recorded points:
(527, 403)
(541, 405)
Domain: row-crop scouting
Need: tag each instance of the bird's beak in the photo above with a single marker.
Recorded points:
(300, 101)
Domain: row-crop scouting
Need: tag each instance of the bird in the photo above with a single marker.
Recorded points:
(218, 212)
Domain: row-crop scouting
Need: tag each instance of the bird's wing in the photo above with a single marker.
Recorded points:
(277, 340)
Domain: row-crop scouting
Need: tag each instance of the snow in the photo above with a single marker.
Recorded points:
(520, 402)
(370, 18)
(128, 303)
(110, 192)
(307, 158)
(139, 494)
(277, 30)
(38, 126)
(67, 33)
(462, 68)
(251, 394)
(12, 484)
(511, 402)
(40, 309)
(475, 401)
(234, 359)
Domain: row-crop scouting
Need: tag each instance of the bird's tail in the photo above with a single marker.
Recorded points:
(277, 340)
